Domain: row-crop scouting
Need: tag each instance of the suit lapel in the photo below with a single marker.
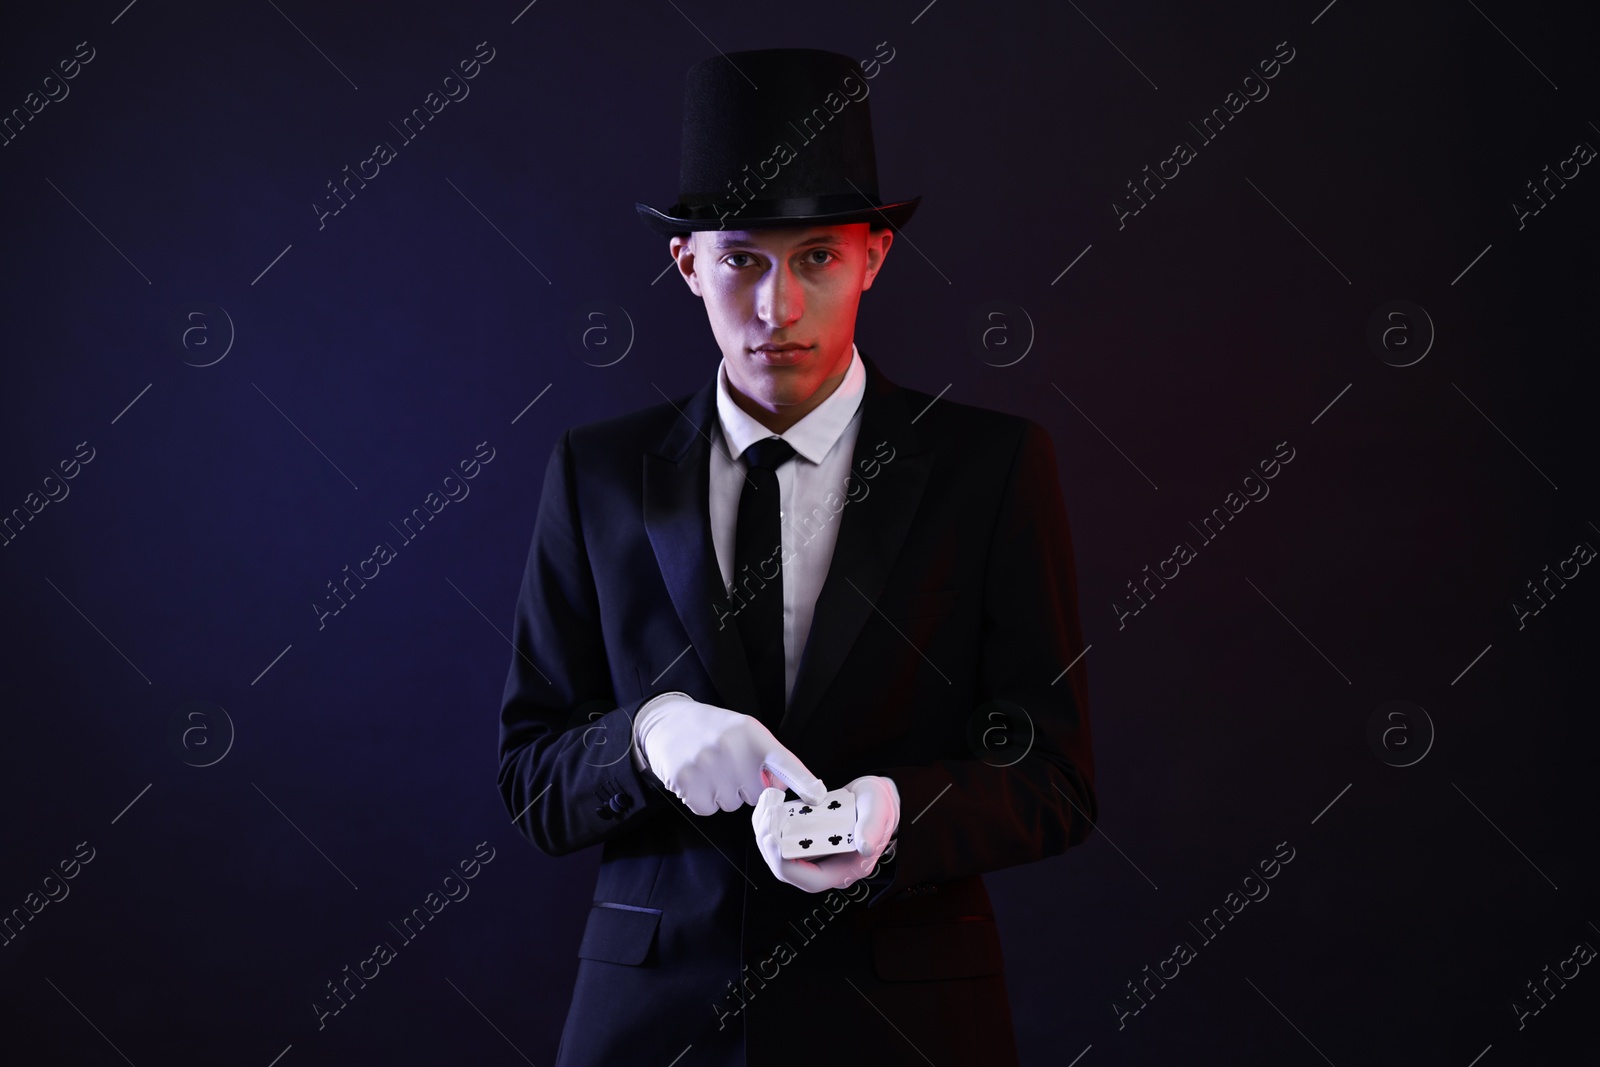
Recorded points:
(677, 516)
(872, 529)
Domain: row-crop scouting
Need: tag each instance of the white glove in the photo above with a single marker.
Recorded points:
(877, 819)
(712, 758)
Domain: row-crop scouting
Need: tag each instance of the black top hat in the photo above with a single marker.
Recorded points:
(776, 137)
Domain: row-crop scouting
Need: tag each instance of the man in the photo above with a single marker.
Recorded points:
(799, 575)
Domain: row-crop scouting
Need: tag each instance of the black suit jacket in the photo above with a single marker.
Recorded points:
(951, 587)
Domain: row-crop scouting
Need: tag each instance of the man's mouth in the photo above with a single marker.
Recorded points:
(782, 355)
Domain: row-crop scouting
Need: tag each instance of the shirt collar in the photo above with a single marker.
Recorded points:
(814, 435)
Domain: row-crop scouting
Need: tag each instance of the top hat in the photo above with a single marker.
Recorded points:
(776, 137)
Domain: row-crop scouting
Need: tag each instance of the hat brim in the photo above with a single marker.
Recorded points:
(895, 214)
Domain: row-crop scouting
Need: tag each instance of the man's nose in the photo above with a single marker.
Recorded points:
(781, 302)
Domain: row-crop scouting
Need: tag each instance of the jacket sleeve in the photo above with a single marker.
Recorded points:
(1027, 793)
(567, 772)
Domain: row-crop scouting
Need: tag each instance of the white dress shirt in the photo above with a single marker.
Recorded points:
(812, 492)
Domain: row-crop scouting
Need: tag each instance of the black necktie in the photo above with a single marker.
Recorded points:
(758, 575)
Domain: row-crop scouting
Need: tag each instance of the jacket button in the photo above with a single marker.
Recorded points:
(620, 802)
(605, 812)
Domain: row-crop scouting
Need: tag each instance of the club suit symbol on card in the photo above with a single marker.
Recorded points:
(813, 831)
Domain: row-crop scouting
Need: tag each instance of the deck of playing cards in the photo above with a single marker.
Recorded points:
(812, 831)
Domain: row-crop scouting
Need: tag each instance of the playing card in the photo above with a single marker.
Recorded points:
(813, 831)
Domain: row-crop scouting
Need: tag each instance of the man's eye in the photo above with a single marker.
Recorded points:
(737, 255)
(822, 252)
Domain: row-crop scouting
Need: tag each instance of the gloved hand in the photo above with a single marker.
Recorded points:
(712, 758)
(877, 819)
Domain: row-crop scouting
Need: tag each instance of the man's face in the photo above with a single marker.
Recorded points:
(782, 304)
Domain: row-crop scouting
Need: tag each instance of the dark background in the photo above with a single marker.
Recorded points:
(1230, 715)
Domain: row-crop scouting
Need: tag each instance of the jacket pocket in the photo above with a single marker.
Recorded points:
(960, 948)
(619, 933)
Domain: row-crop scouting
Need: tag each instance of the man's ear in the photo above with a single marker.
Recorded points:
(878, 242)
(682, 247)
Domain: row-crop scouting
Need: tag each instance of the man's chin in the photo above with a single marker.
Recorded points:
(775, 396)
(772, 381)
